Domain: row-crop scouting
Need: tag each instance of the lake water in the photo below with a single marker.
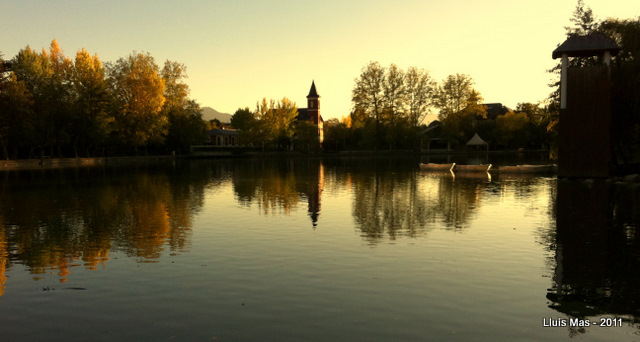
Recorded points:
(315, 250)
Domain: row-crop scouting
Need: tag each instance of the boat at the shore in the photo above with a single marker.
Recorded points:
(551, 168)
(437, 167)
(472, 168)
(455, 167)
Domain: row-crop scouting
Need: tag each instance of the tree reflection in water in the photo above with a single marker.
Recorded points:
(59, 219)
(397, 203)
(278, 185)
(54, 220)
(4, 258)
(389, 196)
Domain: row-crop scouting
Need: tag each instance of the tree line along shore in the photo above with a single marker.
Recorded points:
(54, 106)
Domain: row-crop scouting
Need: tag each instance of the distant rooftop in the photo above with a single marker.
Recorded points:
(585, 46)
(218, 131)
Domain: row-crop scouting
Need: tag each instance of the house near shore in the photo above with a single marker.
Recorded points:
(223, 137)
(433, 139)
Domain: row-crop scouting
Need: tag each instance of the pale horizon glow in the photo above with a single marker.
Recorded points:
(236, 53)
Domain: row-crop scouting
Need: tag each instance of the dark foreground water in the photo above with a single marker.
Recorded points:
(304, 250)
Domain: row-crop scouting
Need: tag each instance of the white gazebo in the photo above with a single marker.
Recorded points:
(477, 141)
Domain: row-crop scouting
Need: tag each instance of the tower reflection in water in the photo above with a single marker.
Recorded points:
(597, 250)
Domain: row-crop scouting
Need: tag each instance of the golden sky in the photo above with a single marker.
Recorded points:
(238, 52)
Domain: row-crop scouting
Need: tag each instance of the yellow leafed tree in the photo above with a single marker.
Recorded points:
(139, 90)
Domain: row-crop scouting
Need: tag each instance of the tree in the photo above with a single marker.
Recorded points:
(186, 127)
(91, 103)
(139, 92)
(58, 97)
(512, 129)
(306, 136)
(460, 125)
(276, 121)
(185, 124)
(47, 77)
(394, 100)
(368, 93)
(583, 19)
(419, 93)
(463, 123)
(243, 120)
(394, 93)
(625, 91)
(16, 119)
(454, 94)
(584, 23)
(176, 92)
(213, 124)
(531, 110)
(538, 117)
(336, 133)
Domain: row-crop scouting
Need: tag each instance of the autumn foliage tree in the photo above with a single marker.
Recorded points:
(93, 119)
(275, 120)
(53, 105)
(138, 90)
(46, 76)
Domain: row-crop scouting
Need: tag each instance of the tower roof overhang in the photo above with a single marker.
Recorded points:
(593, 44)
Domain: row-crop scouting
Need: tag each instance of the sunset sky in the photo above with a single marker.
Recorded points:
(238, 52)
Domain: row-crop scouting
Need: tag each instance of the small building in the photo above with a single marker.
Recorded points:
(432, 140)
(223, 137)
(476, 143)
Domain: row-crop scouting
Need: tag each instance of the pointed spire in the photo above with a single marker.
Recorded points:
(313, 92)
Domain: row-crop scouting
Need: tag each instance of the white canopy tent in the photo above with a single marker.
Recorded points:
(477, 141)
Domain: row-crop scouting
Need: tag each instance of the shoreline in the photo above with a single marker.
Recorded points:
(56, 163)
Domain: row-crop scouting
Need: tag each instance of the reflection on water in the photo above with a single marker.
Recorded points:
(463, 248)
(393, 203)
(597, 250)
(4, 258)
(278, 186)
(60, 219)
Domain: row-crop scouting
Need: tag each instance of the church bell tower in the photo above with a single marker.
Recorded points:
(313, 110)
(313, 104)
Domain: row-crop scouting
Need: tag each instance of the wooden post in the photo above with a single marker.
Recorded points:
(563, 81)
(606, 59)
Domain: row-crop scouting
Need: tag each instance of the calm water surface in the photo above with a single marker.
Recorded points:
(310, 250)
